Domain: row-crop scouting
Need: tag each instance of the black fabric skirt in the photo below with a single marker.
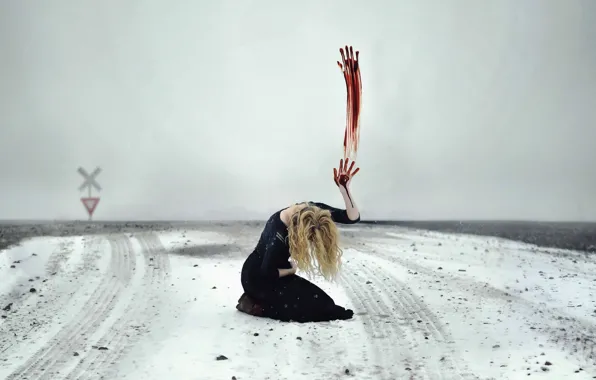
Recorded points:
(292, 298)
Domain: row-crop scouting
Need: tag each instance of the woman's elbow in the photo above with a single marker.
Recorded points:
(353, 219)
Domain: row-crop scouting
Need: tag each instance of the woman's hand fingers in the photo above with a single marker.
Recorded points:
(351, 167)
(344, 170)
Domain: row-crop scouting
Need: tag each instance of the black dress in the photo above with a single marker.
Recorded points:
(288, 298)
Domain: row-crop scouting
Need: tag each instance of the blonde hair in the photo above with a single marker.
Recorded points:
(314, 242)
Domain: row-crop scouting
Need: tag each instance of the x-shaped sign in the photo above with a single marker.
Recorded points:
(89, 179)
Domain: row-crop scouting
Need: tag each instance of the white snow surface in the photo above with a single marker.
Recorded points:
(161, 305)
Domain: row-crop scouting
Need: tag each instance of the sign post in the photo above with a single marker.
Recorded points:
(90, 202)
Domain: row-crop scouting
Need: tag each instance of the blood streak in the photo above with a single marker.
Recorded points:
(351, 70)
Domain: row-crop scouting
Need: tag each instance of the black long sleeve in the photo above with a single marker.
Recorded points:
(338, 215)
(275, 250)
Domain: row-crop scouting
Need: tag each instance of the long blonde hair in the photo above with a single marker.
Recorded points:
(314, 242)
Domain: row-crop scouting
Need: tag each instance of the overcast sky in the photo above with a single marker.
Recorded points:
(234, 109)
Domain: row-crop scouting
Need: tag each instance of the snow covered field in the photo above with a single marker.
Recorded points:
(161, 305)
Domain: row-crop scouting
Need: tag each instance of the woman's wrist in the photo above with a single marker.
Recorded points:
(286, 272)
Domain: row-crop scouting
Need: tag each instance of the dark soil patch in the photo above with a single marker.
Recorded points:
(206, 250)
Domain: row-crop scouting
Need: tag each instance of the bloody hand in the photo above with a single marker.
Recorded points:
(343, 175)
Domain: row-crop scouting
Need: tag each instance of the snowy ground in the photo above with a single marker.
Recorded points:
(161, 305)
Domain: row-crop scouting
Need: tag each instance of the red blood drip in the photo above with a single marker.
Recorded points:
(351, 70)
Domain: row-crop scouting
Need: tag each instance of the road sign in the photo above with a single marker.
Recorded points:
(90, 204)
(89, 179)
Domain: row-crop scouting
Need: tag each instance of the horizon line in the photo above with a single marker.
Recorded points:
(364, 221)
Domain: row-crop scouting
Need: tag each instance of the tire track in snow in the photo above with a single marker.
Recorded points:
(463, 282)
(125, 247)
(162, 260)
(383, 331)
(420, 318)
(29, 319)
(19, 302)
(574, 335)
(58, 257)
(24, 310)
(126, 330)
(92, 251)
(47, 362)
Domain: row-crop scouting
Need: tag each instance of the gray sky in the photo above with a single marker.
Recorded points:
(233, 109)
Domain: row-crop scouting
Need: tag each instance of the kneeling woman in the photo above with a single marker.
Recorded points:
(306, 233)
